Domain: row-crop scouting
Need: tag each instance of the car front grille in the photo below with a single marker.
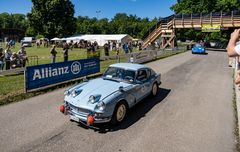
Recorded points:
(78, 110)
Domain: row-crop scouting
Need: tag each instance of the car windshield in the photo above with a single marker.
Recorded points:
(198, 45)
(119, 74)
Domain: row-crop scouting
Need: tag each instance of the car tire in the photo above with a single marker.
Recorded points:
(119, 113)
(154, 89)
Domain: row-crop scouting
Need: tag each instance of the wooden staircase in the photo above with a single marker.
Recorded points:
(163, 30)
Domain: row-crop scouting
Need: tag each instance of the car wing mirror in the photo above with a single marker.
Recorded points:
(139, 82)
(85, 79)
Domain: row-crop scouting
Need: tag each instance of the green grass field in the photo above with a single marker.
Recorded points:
(12, 86)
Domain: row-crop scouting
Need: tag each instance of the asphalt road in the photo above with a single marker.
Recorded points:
(193, 112)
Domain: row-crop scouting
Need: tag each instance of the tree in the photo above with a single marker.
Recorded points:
(52, 18)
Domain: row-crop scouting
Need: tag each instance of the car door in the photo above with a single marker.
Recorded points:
(143, 84)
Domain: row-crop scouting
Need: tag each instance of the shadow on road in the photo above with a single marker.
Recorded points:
(201, 53)
(134, 114)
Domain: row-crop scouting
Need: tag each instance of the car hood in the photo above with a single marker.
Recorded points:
(99, 86)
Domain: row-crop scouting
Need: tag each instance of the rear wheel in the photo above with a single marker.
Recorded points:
(119, 113)
(154, 89)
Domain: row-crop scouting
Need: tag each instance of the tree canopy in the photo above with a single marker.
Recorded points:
(14, 21)
(52, 18)
(205, 6)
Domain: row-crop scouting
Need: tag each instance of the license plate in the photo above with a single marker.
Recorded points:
(74, 118)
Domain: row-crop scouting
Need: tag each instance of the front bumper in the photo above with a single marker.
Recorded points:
(79, 114)
(198, 51)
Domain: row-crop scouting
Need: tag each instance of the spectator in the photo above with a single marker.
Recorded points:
(15, 61)
(38, 43)
(53, 53)
(118, 48)
(130, 47)
(125, 47)
(106, 49)
(139, 46)
(233, 49)
(1, 59)
(22, 54)
(65, 52)
(8, 54)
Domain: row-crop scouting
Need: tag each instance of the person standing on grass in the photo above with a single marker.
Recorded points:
(53, 53)
(125, 47)
(8, 54)
(1, 59)
(65, 52)
(106, 50)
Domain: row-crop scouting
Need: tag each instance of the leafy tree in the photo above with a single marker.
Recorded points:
(52, 18)
(14, 21)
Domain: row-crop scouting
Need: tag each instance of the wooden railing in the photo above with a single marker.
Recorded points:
(225, 20)
(222, 19)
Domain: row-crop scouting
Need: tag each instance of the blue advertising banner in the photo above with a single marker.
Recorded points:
(49, 74)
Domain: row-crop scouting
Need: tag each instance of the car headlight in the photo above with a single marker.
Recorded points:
(101, 105)
(67, 92)
(74, 93)
(92, 99)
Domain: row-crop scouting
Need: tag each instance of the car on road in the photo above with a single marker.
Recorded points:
(198, 48)
(108, 98)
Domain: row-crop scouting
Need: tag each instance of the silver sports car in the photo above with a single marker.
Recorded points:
(107, 99)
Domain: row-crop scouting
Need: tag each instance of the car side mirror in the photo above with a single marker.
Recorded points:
(139, 82)
(85, 79)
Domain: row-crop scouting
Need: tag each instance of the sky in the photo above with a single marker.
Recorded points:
(101, 8)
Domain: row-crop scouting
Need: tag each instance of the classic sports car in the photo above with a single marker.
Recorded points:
(108, 98)
(198, 48)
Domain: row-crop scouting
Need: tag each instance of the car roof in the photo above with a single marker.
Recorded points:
(129, 66)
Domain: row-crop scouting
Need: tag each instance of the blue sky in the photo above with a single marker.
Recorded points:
(105, 8)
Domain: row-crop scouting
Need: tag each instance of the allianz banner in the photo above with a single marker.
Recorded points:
(49, 74)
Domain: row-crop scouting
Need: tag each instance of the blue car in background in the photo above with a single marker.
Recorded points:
(107, 99)
(198, 48)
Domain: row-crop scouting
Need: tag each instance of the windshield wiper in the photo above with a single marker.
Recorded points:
(106, 78)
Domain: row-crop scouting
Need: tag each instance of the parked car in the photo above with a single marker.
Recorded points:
(107, 99)
(198, 48)
(27, 41)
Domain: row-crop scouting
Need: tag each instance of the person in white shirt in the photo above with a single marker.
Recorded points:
(233, 50)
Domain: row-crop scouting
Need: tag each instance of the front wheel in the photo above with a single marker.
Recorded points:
(154, 89)
(119, 113)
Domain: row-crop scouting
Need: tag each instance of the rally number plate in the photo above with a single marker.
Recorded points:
(74, 118)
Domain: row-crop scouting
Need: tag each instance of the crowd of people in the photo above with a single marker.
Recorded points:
(12, 60)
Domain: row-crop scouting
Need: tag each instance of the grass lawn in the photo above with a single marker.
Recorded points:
(12, 86)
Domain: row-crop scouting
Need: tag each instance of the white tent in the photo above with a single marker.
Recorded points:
(56, 39)
(101, 39)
